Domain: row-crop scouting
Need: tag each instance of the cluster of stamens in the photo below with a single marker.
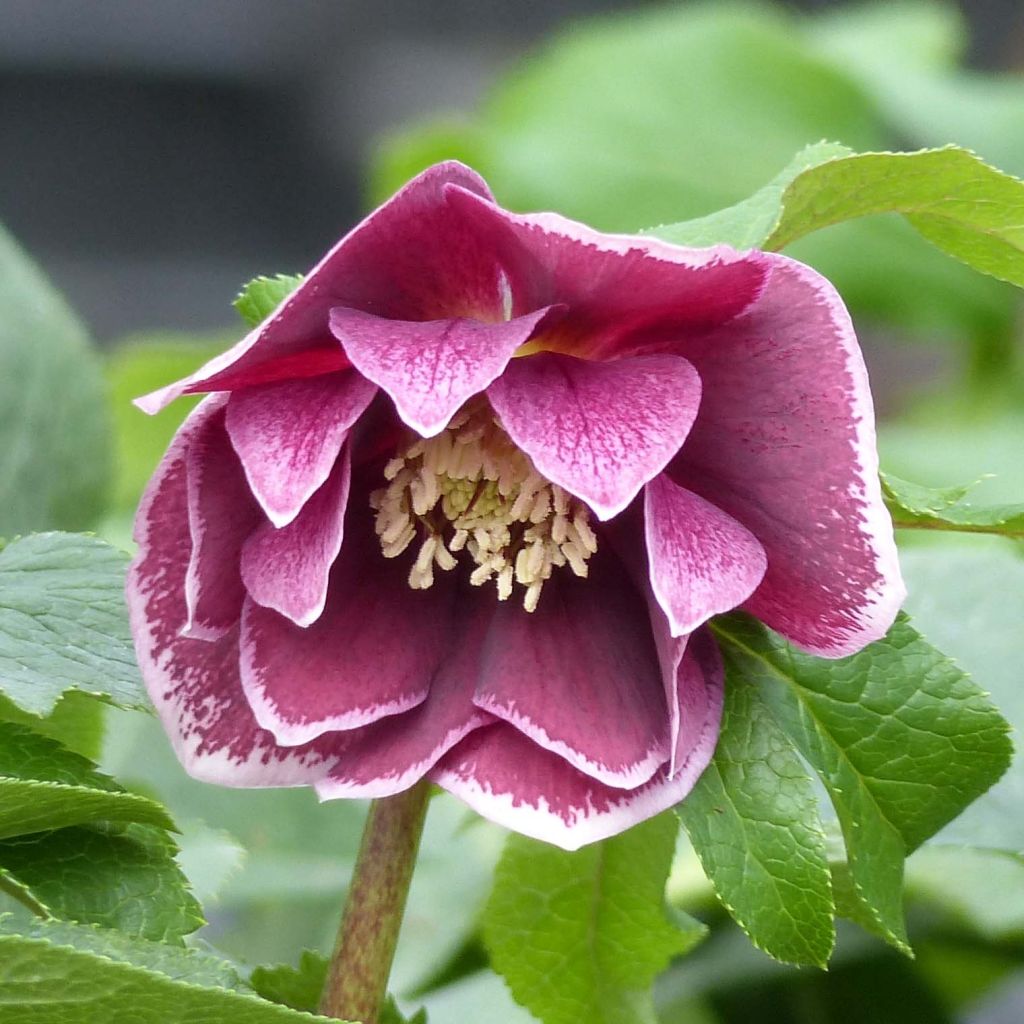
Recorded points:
(471, 489)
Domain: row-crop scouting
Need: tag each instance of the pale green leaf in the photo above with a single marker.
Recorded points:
(77, 721)
(262, 295)
(581, 936)
(63, 976)
(747, 224)
(753, 821)
(969, 210)
(925, 508)
(902, 739)
(64, 623)
(54, 434)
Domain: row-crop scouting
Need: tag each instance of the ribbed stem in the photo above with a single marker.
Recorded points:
(358, 976)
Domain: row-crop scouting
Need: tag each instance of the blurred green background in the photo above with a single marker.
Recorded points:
(650, 113)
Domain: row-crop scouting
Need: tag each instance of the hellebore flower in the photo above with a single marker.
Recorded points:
(463, 503)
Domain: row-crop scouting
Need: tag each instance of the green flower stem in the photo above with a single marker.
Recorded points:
(11, 888)
(358, 976)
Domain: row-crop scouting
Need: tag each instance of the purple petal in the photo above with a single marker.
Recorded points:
(372, 653)
(785, 444)
(430, 368)
(580, 675)
(414, 258)
(288, 569)
(221, 515)
(390, 755)
(613, 285)
(694, 678)
(193, 683)
(288, 435)
(702, 562)
(600, 430)
(505, 777)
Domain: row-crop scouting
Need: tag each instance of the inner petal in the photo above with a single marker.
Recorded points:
(430, 368)
(600, 430)
(581, 677)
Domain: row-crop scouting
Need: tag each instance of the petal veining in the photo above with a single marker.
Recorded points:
(600, 430)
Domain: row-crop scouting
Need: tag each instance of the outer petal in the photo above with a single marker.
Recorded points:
(430, 368)
(785, 444)
(288, 569)
(702, 562)
(221, 515)
(414, 258)
(372, 653)
(508, 779)
(194, 684)
(580, 675)
(613, 285)
(600, 430)
(392, 754)
(288, 435)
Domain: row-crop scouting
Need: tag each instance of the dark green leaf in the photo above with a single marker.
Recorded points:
(54, 434)
(43, 786)
(122, 877)
(902, 739)
(753, 821)
(76, 722)
(64, 624)
(298, 987)
(580, 936)
(65, 975)
(925, 508)
(262, 295)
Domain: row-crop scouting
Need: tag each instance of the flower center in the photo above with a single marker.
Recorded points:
(471, 489)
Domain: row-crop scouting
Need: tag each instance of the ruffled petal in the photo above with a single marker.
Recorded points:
(372, 653)
(702, 562)
(288, 569)
(613, 286)
(580, 675)
(785, 444)
(430, 368)
(194, 683)
(390, 755)
(600, 430)
(221, 515)
(414, 258)
(288, 436)
(507, 778)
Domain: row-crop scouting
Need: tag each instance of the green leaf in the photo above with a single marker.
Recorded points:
(76, 722)
(747, 224)
(902, 739)
(64, 624)
(122, 877)
(581, 936)
(753, 821)
(969, 210)
(298, 987)
(982, 889)
(54, 444)
(60, 975)
(391, 1014)
(925, 508)
(43, 786)
(134, 367)
(262, 295)
(972, 602)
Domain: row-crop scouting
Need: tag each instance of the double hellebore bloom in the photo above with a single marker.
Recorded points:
(462, 505)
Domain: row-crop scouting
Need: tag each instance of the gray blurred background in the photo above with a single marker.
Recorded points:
(155, 155)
